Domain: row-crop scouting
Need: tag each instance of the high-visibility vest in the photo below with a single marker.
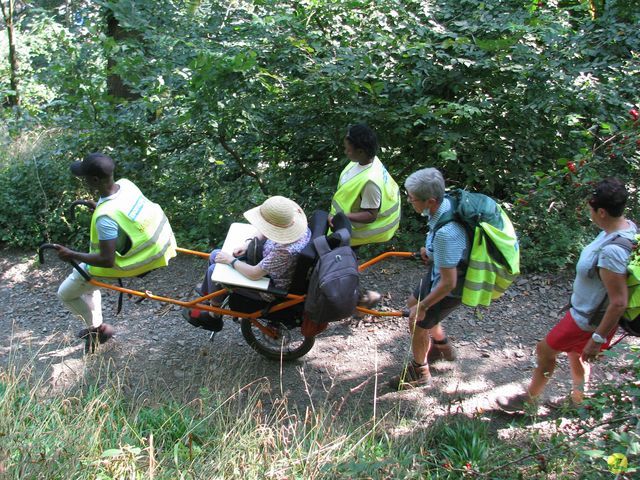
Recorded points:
(144, 222)
(487, 279)
(630, 320)
(346, 198)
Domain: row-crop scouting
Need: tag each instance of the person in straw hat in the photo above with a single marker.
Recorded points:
(283, 224)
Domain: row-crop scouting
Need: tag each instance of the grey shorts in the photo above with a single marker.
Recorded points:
(440, 310)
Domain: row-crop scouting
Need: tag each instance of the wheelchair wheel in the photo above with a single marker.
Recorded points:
(288, 345)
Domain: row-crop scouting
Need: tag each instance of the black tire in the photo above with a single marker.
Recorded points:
(289, 345)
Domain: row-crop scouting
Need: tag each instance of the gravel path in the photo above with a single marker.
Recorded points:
(159, 355)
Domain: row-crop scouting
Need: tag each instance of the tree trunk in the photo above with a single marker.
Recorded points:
(115, 86)
(13, 99)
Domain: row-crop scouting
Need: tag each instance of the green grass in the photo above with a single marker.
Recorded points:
(96, 431)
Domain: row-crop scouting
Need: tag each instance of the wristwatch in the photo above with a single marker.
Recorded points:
(596, 337)
(233, 262)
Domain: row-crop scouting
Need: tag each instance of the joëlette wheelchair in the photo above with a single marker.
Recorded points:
(275, 329)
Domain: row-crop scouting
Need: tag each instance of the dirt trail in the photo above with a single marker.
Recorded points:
(351, 361)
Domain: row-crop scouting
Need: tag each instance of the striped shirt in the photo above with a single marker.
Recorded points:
(448, 246)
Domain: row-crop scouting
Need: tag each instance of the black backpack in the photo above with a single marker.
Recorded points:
(334, 283)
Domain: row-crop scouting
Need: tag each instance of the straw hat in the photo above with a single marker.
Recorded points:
(279, 219)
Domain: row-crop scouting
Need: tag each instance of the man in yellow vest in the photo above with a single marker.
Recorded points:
(129, 236)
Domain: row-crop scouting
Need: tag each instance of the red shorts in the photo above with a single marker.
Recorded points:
(567, 336)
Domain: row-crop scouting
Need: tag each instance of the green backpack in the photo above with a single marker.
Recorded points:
(494, 257)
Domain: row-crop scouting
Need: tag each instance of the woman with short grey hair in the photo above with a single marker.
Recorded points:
(425, 184)
(438, 293)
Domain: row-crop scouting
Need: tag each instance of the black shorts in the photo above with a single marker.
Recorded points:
(440, 310)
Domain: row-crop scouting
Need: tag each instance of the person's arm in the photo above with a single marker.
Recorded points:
(425, 258)
(616, 285)
(366, 215)
(105, 257)
(252, 272)
(448, 281)
(370, 203)
(242, 249)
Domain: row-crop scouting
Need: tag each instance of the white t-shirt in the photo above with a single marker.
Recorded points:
(108, 229)
(371, 195)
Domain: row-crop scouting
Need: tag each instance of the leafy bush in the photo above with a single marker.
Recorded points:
(233, 103)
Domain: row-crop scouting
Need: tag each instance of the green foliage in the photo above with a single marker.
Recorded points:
(97, 431)
(463, 444)
(243, 100)
(618, 403)
(34, 185)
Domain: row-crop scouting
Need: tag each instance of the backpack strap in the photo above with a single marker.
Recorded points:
(448, 216)
(324, 244)
(622, 242)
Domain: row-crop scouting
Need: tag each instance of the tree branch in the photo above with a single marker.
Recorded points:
(241, 164)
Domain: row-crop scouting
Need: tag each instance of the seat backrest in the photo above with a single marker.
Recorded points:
(319, 225)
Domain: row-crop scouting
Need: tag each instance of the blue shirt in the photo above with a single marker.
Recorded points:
(108, 228)
(448, 246)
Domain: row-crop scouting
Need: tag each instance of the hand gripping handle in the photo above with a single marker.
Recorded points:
(53, 246)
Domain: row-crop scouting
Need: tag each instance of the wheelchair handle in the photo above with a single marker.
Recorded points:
(53, 246)
(71, 211)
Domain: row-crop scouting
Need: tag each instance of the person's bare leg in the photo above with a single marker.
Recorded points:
(420, 343)
(438, 333)
(580, 372)
(544, 369)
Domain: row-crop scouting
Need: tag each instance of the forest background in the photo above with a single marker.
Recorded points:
(210, 106)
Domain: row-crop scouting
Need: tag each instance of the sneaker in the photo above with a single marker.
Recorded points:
(368, 299)
(95, 336)
(520, 403)
(442, 351)
(203, 319)
(412, 376)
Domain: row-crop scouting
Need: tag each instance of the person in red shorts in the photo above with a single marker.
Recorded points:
(599, 297)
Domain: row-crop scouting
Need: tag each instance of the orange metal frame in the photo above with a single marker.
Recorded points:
(291, 299)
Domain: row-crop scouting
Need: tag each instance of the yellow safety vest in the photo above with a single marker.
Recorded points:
(346, 200)
(633, 284)
(486, 279)
(144, 222)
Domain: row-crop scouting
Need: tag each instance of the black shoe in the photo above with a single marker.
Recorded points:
(95, 336)
(202, 319)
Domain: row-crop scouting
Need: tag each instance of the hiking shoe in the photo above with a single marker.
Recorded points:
(368, 299)
(95, 336)
(442, 351)
(562, 403)
(203, 319)
(520, 403)
(412, 376)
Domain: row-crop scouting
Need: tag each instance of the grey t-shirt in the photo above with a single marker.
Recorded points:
(588, 290)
